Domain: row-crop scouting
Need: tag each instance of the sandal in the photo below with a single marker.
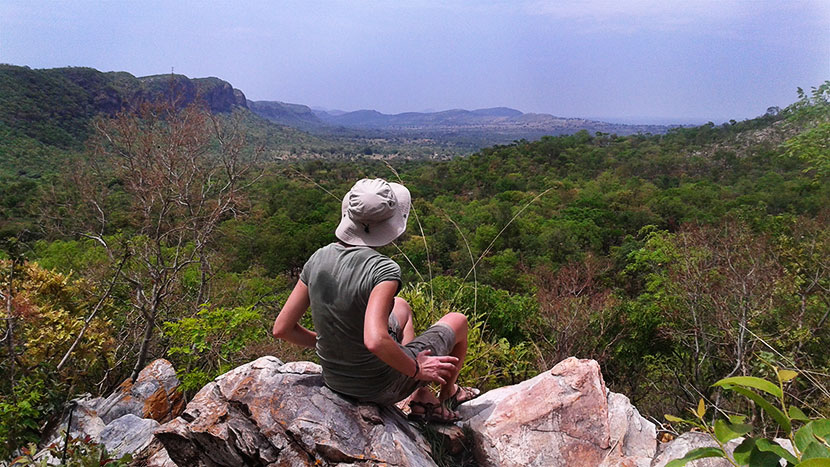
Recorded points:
(462, 394)
(430, 412)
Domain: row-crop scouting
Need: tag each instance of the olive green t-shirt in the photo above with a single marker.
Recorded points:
(340, 280)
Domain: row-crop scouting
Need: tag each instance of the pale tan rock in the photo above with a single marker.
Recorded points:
(558, 418)
(633, 438)
(154, 455)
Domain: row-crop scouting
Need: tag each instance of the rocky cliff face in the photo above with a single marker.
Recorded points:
(55, 106)
(272, 413)
(218, 95)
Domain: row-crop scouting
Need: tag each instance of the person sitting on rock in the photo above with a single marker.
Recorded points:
(364, 334)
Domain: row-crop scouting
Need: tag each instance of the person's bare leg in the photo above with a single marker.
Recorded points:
(403, 313)
(458, 323)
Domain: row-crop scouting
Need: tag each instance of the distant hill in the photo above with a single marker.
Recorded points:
(493, 125)
(295, 115)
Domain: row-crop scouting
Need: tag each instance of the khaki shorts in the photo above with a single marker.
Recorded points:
(439, 339)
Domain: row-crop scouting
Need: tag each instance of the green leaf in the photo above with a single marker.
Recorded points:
(804, 436)
(818, 462)
(776, 413)
(726, 432)
(797, 414)
(701, 409)
(786, 375)
(751, 382)
(821, 428)
(694, 454)
(766, 445)
(672, 418)
(742, 453)
(737, 419)
(756, 453)
(810, 439)
(815, 450)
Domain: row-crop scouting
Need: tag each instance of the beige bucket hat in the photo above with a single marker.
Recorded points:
(374, 213)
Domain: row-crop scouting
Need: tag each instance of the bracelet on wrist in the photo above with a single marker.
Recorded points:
(417, 369)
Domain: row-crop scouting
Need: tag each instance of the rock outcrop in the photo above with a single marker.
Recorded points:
(270, 413)
(217, 94)
(125, 421)
(267, 412)
(562, 417)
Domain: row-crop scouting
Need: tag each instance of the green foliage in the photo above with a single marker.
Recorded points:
(812, 145)
(48, 310)
(78, 453)
(211, 343)
(504, 314)
(20, 415)
(708, 297)
(811, 442)
(491, 361)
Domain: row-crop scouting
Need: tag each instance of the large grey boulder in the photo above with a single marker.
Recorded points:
(562, 417)
(270, 413)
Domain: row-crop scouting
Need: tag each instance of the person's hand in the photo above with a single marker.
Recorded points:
(435, 369)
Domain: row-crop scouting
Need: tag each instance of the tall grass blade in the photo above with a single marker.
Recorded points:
(472, 262)
(424, 237)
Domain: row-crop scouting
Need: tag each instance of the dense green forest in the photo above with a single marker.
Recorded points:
(166, 231)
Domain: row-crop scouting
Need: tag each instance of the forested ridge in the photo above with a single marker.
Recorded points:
(674, 260)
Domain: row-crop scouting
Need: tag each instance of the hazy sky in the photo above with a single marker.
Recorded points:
(667, 59)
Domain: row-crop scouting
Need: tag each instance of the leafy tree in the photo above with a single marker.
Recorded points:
(43, 312)
(211, 343)
(178, 173)
(812, 145)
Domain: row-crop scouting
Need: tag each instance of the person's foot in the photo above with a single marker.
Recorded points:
(429, 412)
(462, 394)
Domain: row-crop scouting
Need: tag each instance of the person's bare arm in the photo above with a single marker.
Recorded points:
(287, 325)
(377, 339)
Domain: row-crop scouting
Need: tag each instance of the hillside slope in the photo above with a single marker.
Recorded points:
(54, 106)
(46, 114)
